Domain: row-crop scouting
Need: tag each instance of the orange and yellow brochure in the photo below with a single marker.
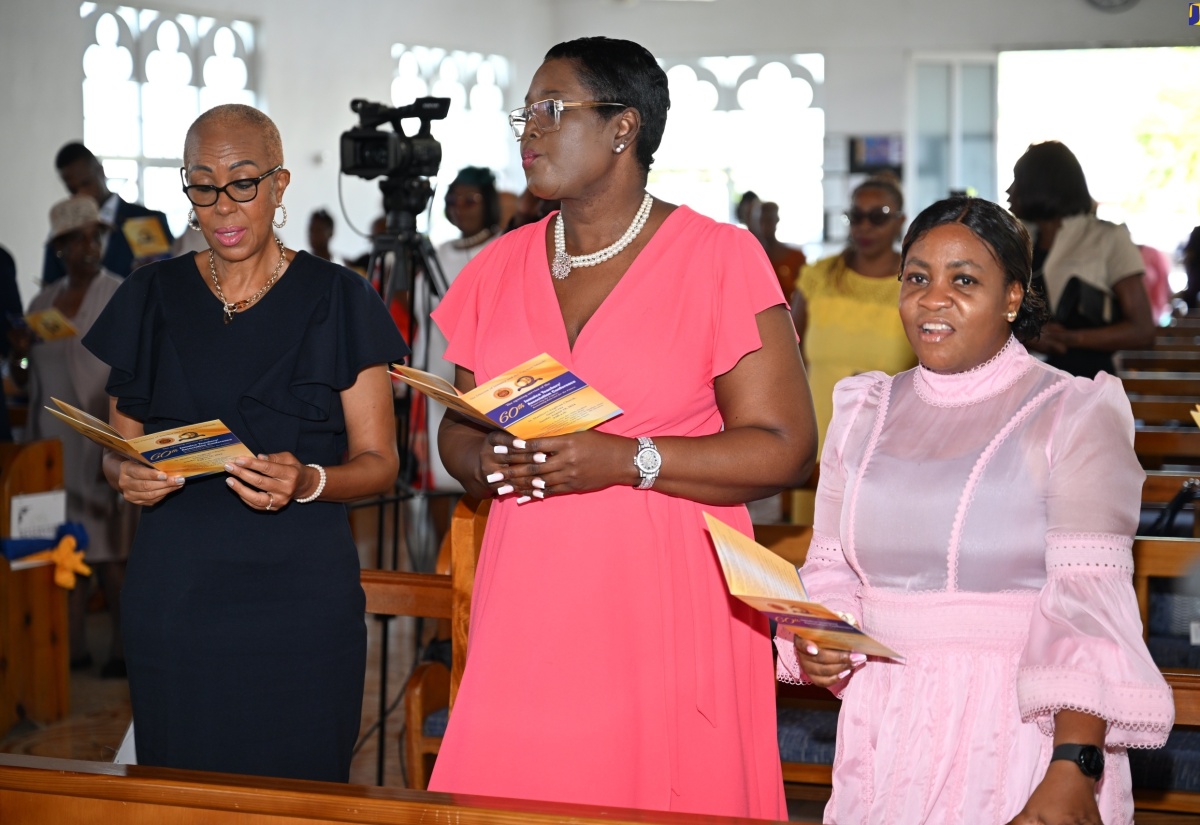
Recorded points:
(50, 325)
(771, 585)
(537, 399)
(193, 450)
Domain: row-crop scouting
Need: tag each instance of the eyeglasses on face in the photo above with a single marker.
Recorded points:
(876, 217)
(241, 191)
(545, 114)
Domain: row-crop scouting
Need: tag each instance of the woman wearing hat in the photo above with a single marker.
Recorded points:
(62, 368)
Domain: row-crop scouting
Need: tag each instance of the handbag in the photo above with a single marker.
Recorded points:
(1082, 306)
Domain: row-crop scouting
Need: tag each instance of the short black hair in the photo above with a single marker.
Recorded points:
(884, 182)
(1004, 236)
(1048, 183)
(71, 153)
(621, 71)
(324, 217)
(484, 180)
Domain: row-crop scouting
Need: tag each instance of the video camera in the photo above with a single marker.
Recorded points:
(369, 152)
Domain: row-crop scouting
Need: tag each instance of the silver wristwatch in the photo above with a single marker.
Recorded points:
(648, 462)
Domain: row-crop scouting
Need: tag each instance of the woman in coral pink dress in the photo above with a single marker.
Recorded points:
(607, 663)
(975, 514)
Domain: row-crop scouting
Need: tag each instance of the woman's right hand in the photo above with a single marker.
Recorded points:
(494, 464)
(826, 667)
(144, 485)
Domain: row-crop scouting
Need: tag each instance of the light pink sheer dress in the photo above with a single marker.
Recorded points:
(980, 524)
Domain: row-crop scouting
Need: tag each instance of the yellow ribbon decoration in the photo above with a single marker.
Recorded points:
(67, 562)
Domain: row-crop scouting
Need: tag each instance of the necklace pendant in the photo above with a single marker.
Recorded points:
(228, 313)
(561, 267)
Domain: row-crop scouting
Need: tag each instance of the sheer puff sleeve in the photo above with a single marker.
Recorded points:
(827, 575)
(1085, 650)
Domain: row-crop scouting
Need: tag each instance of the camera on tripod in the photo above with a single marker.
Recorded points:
(369, 152)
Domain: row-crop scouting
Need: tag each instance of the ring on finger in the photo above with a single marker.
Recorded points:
(270, 501)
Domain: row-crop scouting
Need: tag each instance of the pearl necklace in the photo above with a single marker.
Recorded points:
(474, 240)
(564, 263)
(238, 306)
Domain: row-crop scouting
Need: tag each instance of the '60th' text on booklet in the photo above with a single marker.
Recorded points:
(537, 399)
(771, 585)
(194, 450)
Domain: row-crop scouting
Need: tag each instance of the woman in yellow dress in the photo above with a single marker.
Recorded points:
(845, 305)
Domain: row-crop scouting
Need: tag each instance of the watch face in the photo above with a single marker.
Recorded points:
(648, 460)
(1091, 761)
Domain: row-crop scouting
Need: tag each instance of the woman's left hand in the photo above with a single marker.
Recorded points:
(575, 463)
(268, 482)
(1064, 797)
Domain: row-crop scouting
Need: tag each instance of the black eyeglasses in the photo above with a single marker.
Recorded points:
(240, 191)
(876, 217)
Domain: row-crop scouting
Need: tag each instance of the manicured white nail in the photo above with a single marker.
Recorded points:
(505, 490)
(843, 674)
(538, 494)
(179, 479)
(811, 649)
(537, 482)
(228, 481)
(494, 477)
(539, 458)
(519, 444)
(500, 449)
(523, 499)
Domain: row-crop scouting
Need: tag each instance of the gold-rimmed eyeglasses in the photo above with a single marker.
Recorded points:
(545, 114)
(241, 191)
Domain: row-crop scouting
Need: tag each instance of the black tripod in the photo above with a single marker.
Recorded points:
(403, 264)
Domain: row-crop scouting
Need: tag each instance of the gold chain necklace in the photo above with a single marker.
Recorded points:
(238, 306)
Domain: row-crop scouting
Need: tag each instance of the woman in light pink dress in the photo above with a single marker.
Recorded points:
(975, 514)
(607, 663)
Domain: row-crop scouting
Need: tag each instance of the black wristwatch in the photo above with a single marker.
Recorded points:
(1089, 758)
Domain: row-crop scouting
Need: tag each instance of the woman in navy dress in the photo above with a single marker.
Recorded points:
(245, 638)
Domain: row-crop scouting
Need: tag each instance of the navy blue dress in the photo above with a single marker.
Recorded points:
(244, 630)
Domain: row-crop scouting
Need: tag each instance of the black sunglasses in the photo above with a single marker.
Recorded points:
(876, 217)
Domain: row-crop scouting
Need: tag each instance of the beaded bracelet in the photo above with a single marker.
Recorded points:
(320, 485)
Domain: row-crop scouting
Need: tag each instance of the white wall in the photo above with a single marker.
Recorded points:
(317, 55)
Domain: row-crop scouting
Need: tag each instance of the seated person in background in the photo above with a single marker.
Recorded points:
(82, 174)
(844, 306)
(787, 261)
(1190, 295)
(63, 369)
(958, 522)
(1089, 270)
(320, 232)
(10, 313)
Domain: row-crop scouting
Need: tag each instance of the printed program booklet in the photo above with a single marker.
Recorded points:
(193, 450)
(50, 324)
(537, 399)
(771, 585)
(145, 236)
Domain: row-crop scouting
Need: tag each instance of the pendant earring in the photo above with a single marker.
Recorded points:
(279, 224)
(192, 220)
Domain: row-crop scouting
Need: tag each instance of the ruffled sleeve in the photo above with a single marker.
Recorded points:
(746, 285)
(1085, 650)
(827, 575)
(124, 336)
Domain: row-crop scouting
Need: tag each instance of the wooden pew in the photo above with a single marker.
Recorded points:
(1162, 410)
(1156, 446)
(1153, 361)
(1175, 384)
(1168, 558)
(39, 791)
(35, 675)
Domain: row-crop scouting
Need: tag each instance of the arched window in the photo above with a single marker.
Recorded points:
(147, 75)
(746, 122)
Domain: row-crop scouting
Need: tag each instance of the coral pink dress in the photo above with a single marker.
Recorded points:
(980, 524)
(607, 663)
